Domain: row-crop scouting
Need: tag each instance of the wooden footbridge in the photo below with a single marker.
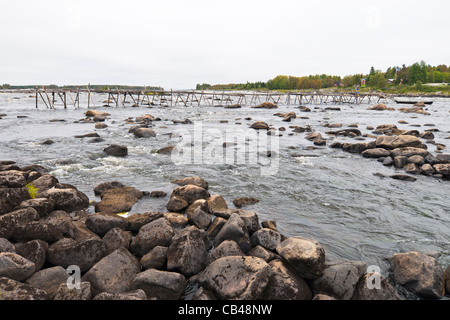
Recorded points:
(120, 97)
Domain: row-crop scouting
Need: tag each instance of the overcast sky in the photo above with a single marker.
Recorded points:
(179, 43)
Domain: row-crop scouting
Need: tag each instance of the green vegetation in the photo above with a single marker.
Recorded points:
(32, 190)
(417, 78)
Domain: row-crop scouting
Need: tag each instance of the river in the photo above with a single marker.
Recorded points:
(319, 192)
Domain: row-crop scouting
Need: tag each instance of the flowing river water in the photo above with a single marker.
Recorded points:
(319, 192)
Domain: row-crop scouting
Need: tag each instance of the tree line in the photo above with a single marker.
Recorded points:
(417, 74)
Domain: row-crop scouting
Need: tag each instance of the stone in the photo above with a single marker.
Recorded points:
(6, 246)
(394, 142)
(375, 153)
(93, 113)
(144, 133)
(155, 259)
(427, 169)
(443, 168)
(284, 284)
(427, 135)
(74, 294)
(380, 107)
(418, 273)
(68, 200)
(388, 161)
(116, 238)
(447, 280)
(250, 219)
(156, 233)
(36, 230)
(176, 204)
(305, 256)
(403, 177)
(236, 277)
(411, 168)
(16, 267)
(225, 249)
(99, 189)
(49, 279)
(408, 152)
(163, 285)
(244, 201)
(215, 227)
(339, 279)
(266, 105)
(260, 125)
(116, 150)
(118, 200)
(190, 193)
(373, 286)
(35, 251)
(177, 220)
(83, 253)
(43, 206)
(14, 290)
(234, 229)
(158, 194)
(263, 253)
(322, 297)
(10, 221)
(137, 220)
(267, 238)
(166, 150)
(400, 161)
(216, 203)
(113, 273)
(132, 295)
(12, 179)
(187, 252)
(102, 222)
(100, 126)
(416, 159)
(203, 294)
(10, 198)
(196, 181)
(199, 218)
(355, 147)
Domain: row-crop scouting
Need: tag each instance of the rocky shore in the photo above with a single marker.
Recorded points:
(199, 249)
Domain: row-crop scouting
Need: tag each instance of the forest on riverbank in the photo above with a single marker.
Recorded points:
(418, 77)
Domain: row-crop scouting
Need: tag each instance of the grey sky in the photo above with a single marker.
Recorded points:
(177, 44)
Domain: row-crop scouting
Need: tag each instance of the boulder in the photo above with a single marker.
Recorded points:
(10, 198)
(137, 220)
(225, 249)
(73, 294)
(83, 253)
(236, 230)
(13, 179)
(236, 277)
(356, 147)
(116, 238)
(196, 181)
(305, 256)
(116, 150)
(190, 193)
(68, 200)
(43, 206)
(176, 204)
(49, 279)
(400, 161)
(285, 284)
(93, 113)
(199, 218)
(244, 201)
(267, 238)
(144, 133)
(427, 169)
(156, 233)
(215, 227)
(409, 152)
(418, 273)
(401, 141)
(155, 259)
(6, 246)
(113, 273)
(36, 230)
(411, 168)
(216, 203)
(339, 279)
(166, 150)
(375, 153)
(373, 286)
(266, 105)
(163, 285)
(203, 294)
(35, 251)
(16, 267)
(177, 220)
(380, 107)
(260, 125)
(187, 252)
(9, 221)
(416, 159)
(118, 200)
(443, 168)
(14, 290)
(99, 189)
(102, 222)
(132, 295)
(263, 253)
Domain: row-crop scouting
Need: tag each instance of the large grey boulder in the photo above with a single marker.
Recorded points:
(49, 279)
(163, 285)
(236, 230)
(15, 290)
(15, 267)
(156, 233)
(236, 277)
(305, 256)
